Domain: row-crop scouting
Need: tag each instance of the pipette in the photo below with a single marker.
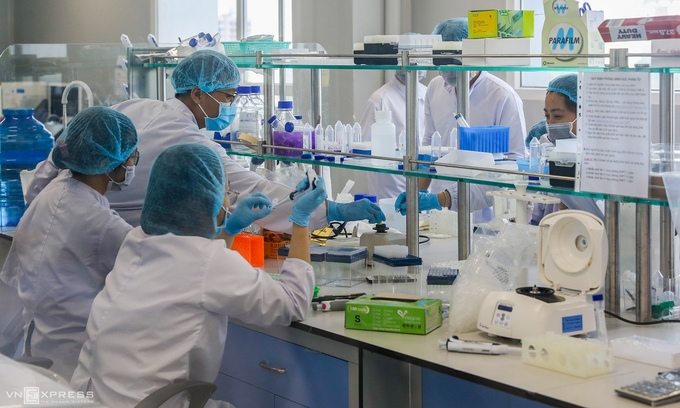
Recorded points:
(453, 343)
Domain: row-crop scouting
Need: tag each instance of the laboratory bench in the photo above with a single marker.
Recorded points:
(379, 369)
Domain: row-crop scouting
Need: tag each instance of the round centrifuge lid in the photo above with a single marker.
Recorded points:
(572, 251)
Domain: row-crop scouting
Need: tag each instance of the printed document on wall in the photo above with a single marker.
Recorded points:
(614, 125)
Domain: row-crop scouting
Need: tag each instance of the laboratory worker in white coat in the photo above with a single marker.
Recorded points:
(67, 241)
(164, 311)
(560, 123)
(205, 87)
(391, 97)
(492, 102)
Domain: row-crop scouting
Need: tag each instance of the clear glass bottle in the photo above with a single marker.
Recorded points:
(256, 97)
(249, 117)
(292, 136)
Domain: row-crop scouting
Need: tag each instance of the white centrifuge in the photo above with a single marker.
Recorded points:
(572, 262)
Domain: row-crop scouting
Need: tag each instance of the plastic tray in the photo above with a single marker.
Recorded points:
(251, 47)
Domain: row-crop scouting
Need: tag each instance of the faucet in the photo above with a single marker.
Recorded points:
(64, 96)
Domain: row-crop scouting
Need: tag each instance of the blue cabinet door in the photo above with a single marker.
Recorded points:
(295, 373)
(241, 394)
(441, 390)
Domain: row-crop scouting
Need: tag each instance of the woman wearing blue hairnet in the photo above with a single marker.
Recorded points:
(560, 123)
(205, 88)
(492, 102)
(67, 241)
(180, 286)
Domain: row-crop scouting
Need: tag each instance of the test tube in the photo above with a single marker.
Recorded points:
(340, 136)
(307, 136)
(436, 146)
(461, 120)
(330, 138)
(319, 141)
(349, 137)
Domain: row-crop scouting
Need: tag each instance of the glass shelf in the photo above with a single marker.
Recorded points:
(497, 178)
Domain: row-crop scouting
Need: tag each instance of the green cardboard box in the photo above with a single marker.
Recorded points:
(393, 312)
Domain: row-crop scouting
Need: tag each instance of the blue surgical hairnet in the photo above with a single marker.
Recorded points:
(96, 141)
(185, 192)
(453, 29)
(208, 70)
(566, 84)
(536, 131)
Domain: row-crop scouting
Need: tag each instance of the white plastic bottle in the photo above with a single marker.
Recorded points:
(383, 135)
(319, 138)
(340, 136)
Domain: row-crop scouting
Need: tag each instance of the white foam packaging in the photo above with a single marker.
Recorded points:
(647, 350)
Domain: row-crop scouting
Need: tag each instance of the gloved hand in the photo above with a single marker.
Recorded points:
(244, 215)
(357, 210)
(426, 201)
(307, 202)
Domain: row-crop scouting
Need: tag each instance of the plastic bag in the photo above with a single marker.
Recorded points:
(496, 264)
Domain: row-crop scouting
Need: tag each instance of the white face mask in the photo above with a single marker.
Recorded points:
(119, 185)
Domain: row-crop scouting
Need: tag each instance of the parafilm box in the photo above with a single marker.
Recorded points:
(393, 312)
(640, 29)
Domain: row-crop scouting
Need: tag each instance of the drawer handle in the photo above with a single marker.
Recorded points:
(264, 365)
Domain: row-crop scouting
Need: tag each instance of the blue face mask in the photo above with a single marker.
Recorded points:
(223, 119)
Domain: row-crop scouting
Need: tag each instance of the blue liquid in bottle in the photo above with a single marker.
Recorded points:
(24, 142)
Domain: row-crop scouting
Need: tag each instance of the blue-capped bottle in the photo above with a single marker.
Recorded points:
(292, 137)
(24, 142)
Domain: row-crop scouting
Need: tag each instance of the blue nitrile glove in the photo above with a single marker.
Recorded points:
(244, 215)
(426, 201)
(307, 202)
(363, 209)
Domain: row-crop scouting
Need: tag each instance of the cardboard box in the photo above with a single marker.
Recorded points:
(666, 46)
(393, 312)
(567, 34)
(497, 46)
(515, 23)
(500, 23)
(640, 29)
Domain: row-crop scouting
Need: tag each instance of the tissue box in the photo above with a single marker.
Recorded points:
(500, 23)
(392, 312)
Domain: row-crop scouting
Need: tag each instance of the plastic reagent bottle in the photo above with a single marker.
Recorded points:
(257, 100)
(436, 146)
(340, 136)
(383, 134)
(349, 137)
(534, 155)
(292, 137)
(319, 141)
(307, 136)
(600, 324)
(249, 116)
(357, 132)
(330, 138)
(453, 138)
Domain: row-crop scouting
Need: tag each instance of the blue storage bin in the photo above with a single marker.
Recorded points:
(488, 139)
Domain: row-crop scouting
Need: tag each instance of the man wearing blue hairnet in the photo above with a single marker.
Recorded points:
(205, 87)
(492, 102)
(560, 123)
(391, 97)
(68, 239)
(181, 286)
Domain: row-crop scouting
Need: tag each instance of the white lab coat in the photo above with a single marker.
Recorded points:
(63, 248)
(161, 125)
(164, 310)
(492, 102)
(391, 97)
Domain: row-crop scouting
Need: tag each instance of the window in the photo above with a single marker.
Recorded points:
(261, 17)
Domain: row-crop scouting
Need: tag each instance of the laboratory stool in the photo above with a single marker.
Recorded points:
(199, 392)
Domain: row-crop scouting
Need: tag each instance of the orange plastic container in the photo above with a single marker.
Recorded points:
(251, 247)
